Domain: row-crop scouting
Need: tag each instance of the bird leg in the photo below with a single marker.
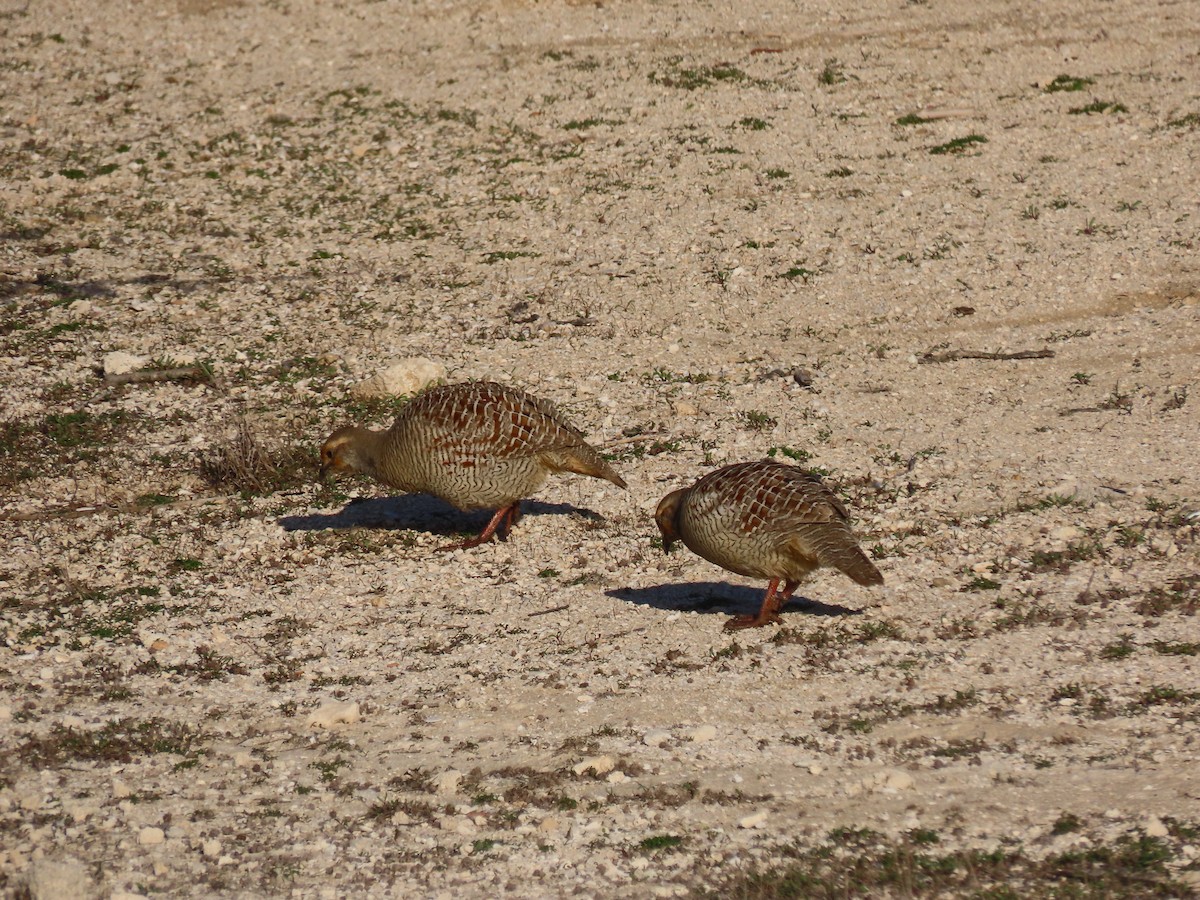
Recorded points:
(768, 613)
(499, 526)
(506, 524)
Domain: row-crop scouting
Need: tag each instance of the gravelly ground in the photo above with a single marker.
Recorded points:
(650, 214)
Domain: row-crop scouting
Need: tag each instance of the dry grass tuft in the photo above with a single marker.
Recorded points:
(245, 465)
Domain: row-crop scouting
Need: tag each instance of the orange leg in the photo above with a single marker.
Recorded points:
(499, 526)
(768, 613)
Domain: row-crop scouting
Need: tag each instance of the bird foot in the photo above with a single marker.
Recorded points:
(737, 623)
(464, 545)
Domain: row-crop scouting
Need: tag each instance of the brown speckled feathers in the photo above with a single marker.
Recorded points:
(768, 520)
(477, 445)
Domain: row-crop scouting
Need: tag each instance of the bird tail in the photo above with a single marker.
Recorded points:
(582, 461)
(855, 563)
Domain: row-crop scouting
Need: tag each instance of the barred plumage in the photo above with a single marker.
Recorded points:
(477, 445)
(767, 520)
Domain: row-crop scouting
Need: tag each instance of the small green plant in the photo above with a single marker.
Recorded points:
(660, 842)
(1097, 107)
(798, 455)
(756, 420)
(839, 172)
(912, 119)
(590, 122)
(496, 256)
(1066, 823)
(1082, 378)
(1121, 401)
(982, 583)
(1191, 120)
(799, 271)
(958, 145)
(1069, 83)
(778, 173)
(1123, 648)
(750, 123)
(832, 73)
(705, 76)
(1180, 648)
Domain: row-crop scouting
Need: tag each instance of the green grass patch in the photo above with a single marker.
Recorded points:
(1067, 83)
(958, 145)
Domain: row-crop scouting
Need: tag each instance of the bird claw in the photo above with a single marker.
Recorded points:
(463, 545)
(737, 623)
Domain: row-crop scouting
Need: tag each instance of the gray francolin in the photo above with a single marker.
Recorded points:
(477, 445)
(765, 520)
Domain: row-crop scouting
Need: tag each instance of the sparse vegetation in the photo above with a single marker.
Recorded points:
(1068, 83)
(958, 145)
(862, 863)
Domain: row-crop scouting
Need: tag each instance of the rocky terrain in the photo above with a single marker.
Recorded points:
(943, 254)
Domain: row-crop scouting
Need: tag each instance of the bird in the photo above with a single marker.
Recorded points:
(765, 519)
(476, 445)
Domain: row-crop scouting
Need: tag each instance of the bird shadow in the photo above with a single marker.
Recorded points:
(416, 512)
(719, 597)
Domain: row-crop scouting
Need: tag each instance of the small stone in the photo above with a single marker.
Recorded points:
(802, 376)
(702, 733)
(598, 765)
(754, 820)
(1065, 533)
(120, 363)
(1155, 828)
(211, 847)
(617, 778)
(447, 783)
(151, 836)
(457, 825)
(407, 376)
(80, 812)
(120, 790)
(899, 781)
(656, 737)
(333, 713)
(550, 825)
(64, 878)
(814, 769)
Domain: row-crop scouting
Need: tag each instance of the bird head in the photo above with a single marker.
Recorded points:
(340, 452)
(667, 517)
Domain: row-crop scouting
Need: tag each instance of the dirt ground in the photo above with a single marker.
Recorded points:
(709, 232)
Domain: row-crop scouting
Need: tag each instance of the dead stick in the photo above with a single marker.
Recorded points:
(142, 376)
(952, 355)
(546, 612)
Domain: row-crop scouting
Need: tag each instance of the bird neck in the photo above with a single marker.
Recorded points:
(368, 451)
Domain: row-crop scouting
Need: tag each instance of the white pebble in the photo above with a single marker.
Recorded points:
(333, 713)
(598, 765)
(702, 733)
(754, 820)
(656, 737)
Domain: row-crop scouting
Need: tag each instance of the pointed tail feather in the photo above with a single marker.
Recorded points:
(855, 563)
(582, 461)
